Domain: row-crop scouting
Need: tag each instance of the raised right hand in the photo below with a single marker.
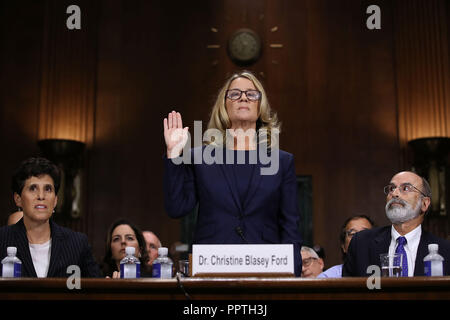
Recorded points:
(175, 135)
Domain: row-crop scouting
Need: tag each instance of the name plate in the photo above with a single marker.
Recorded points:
(242, 258)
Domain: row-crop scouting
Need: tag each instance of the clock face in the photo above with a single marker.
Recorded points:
(244, 46)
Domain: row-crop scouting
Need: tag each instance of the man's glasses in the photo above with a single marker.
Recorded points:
(404, 188)
(350, 233)
(236, 94)
(307, 262)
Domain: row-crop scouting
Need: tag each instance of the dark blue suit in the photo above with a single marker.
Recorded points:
(68, 248)
(366, 246)
(268, 214)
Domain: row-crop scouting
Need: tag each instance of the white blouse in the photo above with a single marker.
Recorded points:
(40, 253)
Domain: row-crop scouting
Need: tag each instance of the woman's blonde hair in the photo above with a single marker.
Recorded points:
(267, 120)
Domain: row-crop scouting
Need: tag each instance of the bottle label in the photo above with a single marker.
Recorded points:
(12, 270)
(427, 270)
(433, 268)
(156, 270)
(166, 271)
(8, 270)
(17, 270)
(130, 271)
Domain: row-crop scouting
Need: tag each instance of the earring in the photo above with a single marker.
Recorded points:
(19, 209)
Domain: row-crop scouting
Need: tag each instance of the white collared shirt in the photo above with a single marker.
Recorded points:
(412, 243)
(40, 253)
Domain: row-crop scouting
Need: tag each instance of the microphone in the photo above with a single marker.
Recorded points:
(241, 234)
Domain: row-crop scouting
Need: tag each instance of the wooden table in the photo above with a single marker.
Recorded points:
(223, 298)
(250, 288)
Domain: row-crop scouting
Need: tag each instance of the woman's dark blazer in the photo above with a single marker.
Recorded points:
(268, 215)
(68, 248)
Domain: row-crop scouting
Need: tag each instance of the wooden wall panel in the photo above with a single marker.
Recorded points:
(145, 66)
(334, 91)
(21, 41)
(423, 80)
(66, 109)
(68, 84)
(423, 69)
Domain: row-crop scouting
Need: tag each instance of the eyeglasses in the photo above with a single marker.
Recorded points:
(307, 262)
(350, 233)
(404, 188)
(236, 94)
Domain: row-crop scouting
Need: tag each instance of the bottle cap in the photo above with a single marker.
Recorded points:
(130, 250)
(162, 251)
(433, 247)
(11, 251)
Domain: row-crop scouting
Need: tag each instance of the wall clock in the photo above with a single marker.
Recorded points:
(244, 47)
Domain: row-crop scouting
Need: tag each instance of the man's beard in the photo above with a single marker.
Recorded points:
(399, 214)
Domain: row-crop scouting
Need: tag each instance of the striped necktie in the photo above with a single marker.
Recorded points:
(401, 249)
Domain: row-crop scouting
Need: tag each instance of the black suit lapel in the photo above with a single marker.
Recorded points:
(23, 249)
(55, 254)
(422, 251)
(381, 245)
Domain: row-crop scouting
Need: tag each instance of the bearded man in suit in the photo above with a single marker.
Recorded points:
(408, 198)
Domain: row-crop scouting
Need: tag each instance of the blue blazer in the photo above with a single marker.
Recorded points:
(367, 245)
(268, 215)
(68, 248)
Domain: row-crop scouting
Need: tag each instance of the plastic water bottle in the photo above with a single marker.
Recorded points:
(162, 266)
(433, 262)
(130, 266)
(12, 266)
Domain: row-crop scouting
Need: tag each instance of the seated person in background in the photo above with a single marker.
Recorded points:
(351, 226)
(408, 198)
(312, 265)
(122, 234)
(45, 248)
(320, 252)
(14, 217)
(153, 243)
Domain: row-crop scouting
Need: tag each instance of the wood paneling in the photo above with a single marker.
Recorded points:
(21, 40)
(423, 79)
(68, 84)
(68, 71)
(422, 68)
